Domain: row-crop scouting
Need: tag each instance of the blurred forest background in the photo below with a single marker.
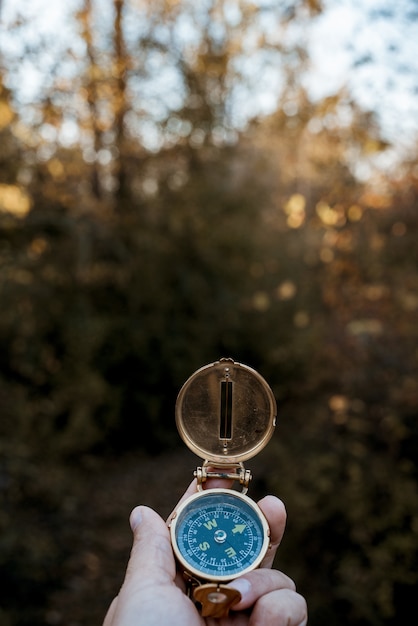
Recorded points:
(151, 224)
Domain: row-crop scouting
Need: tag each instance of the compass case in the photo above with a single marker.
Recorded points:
(219, 534)
(226, 412)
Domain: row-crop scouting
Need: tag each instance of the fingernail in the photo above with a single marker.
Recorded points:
(135, 518)
(242, 585)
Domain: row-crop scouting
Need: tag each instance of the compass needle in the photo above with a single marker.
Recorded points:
(238, 528)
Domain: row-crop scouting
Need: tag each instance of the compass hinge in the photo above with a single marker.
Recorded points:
(191, 583)
(242, 475)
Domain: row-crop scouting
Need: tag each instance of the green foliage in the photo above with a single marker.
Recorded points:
(349, 476)
(104, 318)
(126, 266)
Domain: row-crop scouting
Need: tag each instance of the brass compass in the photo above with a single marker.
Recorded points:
(225, 413)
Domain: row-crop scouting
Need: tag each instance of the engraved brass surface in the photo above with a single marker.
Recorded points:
(226, 412)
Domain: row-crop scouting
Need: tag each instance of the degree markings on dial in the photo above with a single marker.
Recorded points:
(212, 526)
(220, 538)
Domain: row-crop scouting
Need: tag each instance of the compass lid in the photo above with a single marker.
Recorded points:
(226, 412)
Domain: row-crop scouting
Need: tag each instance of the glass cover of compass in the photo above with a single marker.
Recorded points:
(219, 534)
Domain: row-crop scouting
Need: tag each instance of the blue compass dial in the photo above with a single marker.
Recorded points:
(219, 534)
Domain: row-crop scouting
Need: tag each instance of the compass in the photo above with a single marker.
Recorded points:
(225, 413)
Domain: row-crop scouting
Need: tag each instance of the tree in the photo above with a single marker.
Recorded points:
(166, 230)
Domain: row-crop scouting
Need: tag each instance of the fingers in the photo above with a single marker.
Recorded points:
(281, 608)
(259, 582)
(111, 612)
(151, 555)
(151, 562)
(275, 513)
(273, 597)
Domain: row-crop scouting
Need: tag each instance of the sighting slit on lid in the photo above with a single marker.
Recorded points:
(225, 426)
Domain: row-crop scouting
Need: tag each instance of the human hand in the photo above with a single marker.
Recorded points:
(153, 592)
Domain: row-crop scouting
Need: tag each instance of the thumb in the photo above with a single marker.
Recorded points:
(151, 557)
(151, 564)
